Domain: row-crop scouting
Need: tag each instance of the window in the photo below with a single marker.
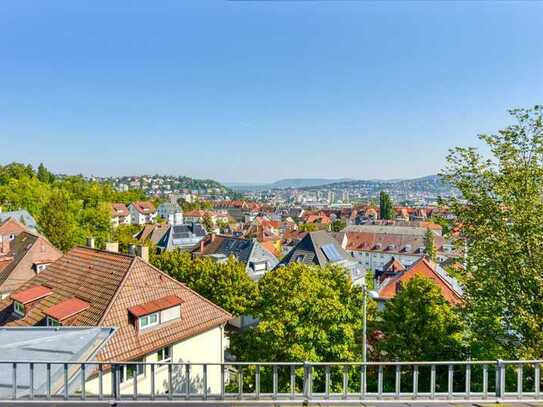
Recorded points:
(149, 320)
(52, 322)
(164, 354)
(12, 236)
(127, 372)
(19, 308)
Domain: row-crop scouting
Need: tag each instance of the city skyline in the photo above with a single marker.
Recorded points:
(207, 89)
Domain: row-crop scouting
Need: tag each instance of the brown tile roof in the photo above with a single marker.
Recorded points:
(31, 294)
(111, 283)
(119, 209)
(67, 308)
(424, 268)
(144, 207)
(155, 305)
(389, 242)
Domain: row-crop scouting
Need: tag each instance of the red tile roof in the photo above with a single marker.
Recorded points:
(144, 207)
(424, 268)
(111, 283)
(67, 308)
(31, 294)
(155, 306)
(119, 209)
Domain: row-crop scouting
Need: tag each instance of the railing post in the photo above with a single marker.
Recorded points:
(500, 379)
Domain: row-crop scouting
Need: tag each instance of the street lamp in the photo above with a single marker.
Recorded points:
(374, 295)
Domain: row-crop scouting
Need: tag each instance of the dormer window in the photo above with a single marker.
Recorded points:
(19, 308)
(52, 322)
(149, 320)
(156, 312)
(22, 298)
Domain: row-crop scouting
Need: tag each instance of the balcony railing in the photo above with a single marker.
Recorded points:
(262, 383)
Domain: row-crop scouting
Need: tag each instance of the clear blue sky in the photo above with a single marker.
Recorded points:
(260, 90)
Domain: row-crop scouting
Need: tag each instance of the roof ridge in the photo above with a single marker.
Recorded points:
(102, 251)
(117, 290)
(184, 286)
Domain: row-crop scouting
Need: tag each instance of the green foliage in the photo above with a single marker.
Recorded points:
(196, 204)
(226, 284)
(207, 221)
(68, 209)
(500, 213)
(386, 211)
(419, 324)
(124, 235)
(338, 225)
(306, 313)
(309, 227)
(44, 175)
(58, 221)
(430, 245)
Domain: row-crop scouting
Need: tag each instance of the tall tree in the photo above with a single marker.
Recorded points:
(305, 313)
(386, 211)
(430, 245)
(226, 284)
(419, 324)
(44, 175)
(500, 212)
(58, 221)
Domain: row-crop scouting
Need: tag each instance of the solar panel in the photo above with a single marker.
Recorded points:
(331, 252)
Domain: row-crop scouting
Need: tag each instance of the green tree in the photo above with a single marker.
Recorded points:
(226, 284)
(58, 221)
(500, 212)
(419, 324)
(338, 225)
(308, 227)
(124, 235)
(44, 175)
(15, 171)
(386, 211)
(430, 245)
(96, 222)
(305, 313)
(207, 221)
(24, 193)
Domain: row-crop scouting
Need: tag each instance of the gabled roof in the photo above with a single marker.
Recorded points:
(11, 226)
(245, 250)
(450, 288)
(119, 209)
(111, 283)
(182, 235)
(144, 207)
(311, 250)
(20, 248)
(22, 216)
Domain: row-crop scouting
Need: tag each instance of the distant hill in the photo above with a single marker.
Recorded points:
(305, 182)
(284, 184)
(430, 183)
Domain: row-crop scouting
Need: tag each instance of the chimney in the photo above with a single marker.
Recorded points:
(143, 252)
(112, 247)
(202, 245)
(90, 242)
(213, 237)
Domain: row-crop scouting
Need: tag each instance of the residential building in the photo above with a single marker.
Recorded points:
(157, 318)
(22, 258)
(198, 215)
(119, 214)
(391, 281)
(320, 248)
(142, 212)
(171, 212)
(182, 237)
(22, 216)
(9, 229)
(375, 245)
(257, 259)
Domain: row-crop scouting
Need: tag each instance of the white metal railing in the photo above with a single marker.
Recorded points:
(259, 382)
